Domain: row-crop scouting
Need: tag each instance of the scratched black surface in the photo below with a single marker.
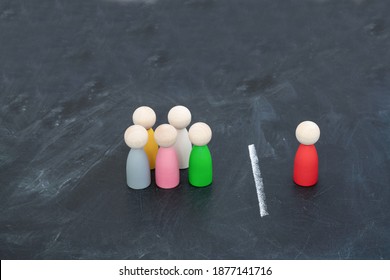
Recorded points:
(72, 72)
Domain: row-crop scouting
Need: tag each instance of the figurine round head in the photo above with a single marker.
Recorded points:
(136, 136)
(165, 135)
(200, 134)
(307, 133)
(144, 116)
(179, 117)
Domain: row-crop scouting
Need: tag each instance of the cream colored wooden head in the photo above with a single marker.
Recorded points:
(200, 134)
(179, 117)
(307, 133)
(144, 116)
(165, 135)
(136, 136)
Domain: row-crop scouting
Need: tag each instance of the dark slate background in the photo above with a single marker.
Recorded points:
(72, 72)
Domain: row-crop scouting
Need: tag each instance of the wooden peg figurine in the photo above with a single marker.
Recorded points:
(146, 117)
(167, 164)
(180, 117)
(137, 166)
(306, 157)
(200, 171)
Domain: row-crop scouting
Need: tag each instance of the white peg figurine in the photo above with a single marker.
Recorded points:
(180, 117)
(137, 166)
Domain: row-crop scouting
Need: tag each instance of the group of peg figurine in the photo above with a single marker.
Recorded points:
(168, 149)
(171, 147)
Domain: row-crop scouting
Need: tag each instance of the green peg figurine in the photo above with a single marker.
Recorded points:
(200, 170)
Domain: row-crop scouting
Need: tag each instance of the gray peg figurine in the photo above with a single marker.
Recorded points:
(137, 166)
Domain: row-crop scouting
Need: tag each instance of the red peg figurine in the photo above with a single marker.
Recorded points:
(306, 158)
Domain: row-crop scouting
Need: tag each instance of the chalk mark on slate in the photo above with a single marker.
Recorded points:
(258, 180)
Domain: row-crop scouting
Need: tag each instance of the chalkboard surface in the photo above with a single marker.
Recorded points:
(72, 73)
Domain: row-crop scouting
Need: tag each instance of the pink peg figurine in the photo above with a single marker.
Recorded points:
(167, 163)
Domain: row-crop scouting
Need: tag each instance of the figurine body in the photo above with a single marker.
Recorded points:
(306, 166)
(200, 173)
(167, 168)
(151, 148)
(137, 169)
